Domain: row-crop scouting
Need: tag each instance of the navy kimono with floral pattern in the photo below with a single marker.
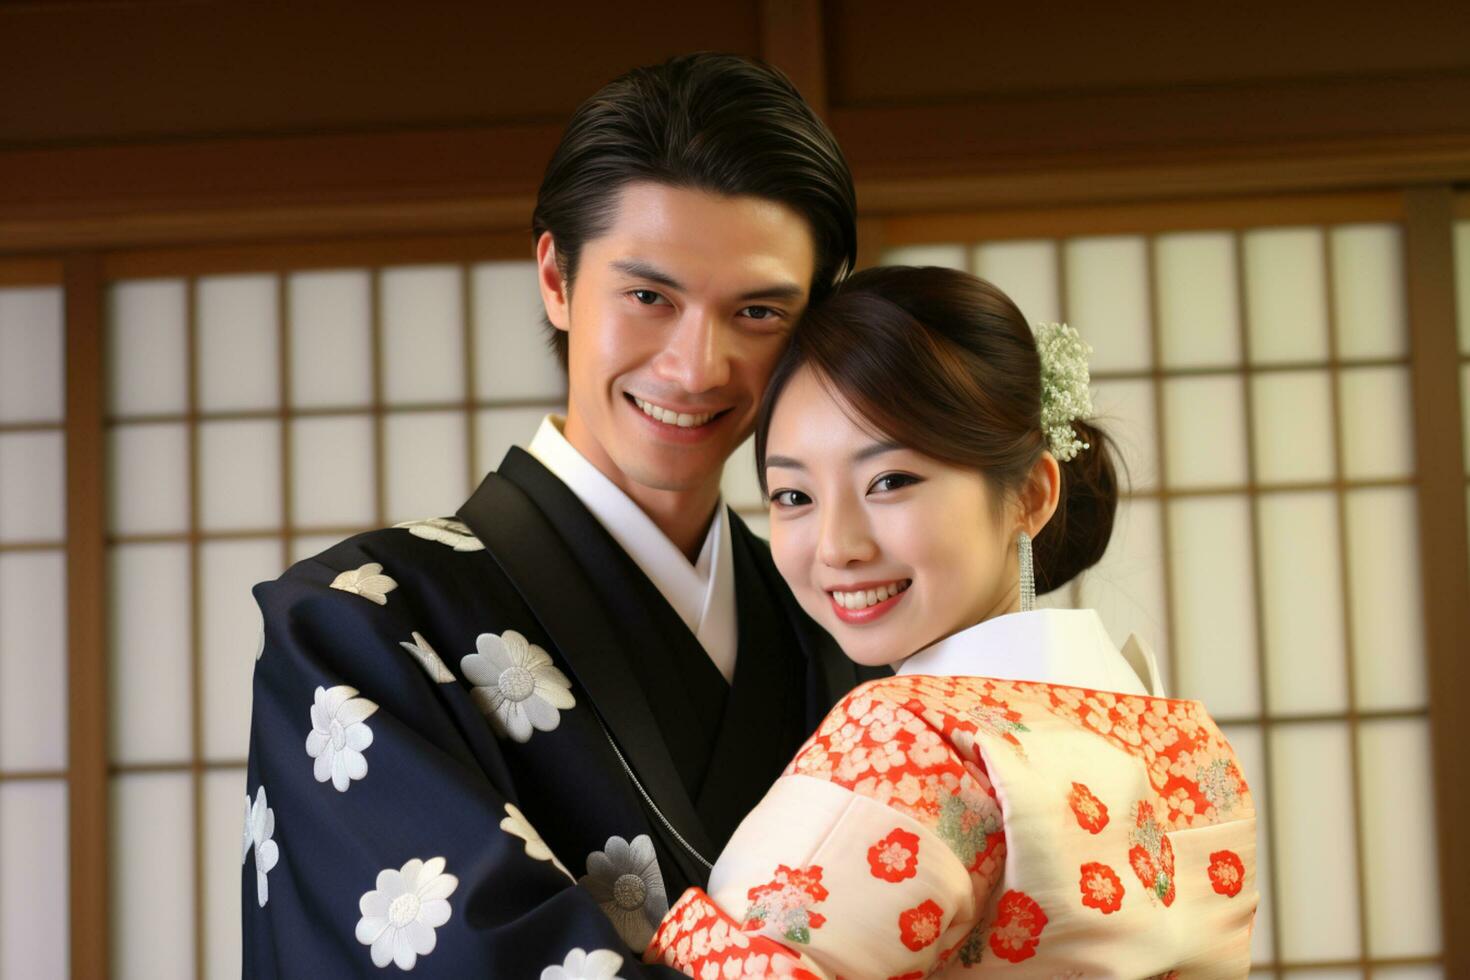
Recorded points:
(487, 746)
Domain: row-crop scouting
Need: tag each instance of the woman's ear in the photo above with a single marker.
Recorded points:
(1040, 494)
(554, 293)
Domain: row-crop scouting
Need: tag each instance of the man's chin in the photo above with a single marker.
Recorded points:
(683, 478)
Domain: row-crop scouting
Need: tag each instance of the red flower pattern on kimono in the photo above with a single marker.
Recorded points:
(895, 857)
(1091, 812)
(1227, 873)
(1151, 854)
(920, 926)
(786, 901)
(1101, 888)
(915, 975)
(1017, 930)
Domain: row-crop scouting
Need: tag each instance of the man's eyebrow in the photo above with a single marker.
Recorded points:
(786, 291)
(642, 270)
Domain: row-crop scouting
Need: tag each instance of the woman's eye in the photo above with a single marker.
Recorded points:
(645, 296)
(892, 481)
(789, 498)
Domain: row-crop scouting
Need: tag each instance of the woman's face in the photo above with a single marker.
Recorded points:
(887, 549)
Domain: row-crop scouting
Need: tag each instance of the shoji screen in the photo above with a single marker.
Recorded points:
(1257, 383)
(1462, 292)
(33, 636)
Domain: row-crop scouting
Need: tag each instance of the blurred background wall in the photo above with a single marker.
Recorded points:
(265, 282)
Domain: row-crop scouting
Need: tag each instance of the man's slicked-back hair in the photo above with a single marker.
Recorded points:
(709, 122)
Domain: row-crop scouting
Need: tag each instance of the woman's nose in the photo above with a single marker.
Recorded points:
(846, 538)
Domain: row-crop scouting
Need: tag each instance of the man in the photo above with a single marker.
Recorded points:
(529, 728)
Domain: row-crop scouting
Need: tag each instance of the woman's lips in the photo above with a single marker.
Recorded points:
(867, 613)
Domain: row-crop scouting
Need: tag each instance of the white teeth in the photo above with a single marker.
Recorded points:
(869, 597)
(682, 419)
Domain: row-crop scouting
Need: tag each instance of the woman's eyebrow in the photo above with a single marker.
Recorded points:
(875, 449)
(785, 463)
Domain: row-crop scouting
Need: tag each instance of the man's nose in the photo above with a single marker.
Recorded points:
(696, 356)
(846, 538)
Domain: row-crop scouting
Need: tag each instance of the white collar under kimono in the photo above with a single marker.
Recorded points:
(703, 594)
(1055, 646)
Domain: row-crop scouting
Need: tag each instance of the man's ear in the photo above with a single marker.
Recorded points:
(1040, 494)
(554, 293)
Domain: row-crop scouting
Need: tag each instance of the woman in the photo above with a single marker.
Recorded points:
(1019, 799)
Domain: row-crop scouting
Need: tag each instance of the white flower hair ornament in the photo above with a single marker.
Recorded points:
(1065, 397)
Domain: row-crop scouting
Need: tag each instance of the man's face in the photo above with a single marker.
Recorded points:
(676, 318)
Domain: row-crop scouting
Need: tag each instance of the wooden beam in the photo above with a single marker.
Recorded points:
(1444, 548)
(86, 587)
(792, 40)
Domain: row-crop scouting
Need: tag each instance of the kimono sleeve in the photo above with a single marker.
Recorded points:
(825, 880)
(381, 829)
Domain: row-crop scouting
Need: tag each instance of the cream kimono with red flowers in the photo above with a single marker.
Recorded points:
(951, 825)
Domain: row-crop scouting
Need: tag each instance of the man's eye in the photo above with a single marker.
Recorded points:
(892, 481)
(789, 498)
(645, 296)
(760, 313)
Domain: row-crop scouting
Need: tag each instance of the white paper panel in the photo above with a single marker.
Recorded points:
(1401, 867)
(512, 357)
(332, 480)
(1214, 604)
(152, 852)
(1286, 295)
(1199, 306)
(310, 545)
(949, 256)
(758, 523)
(1332, 973)
(1125, 411)
(1026, 271)
(149, 652)
(1377, 423)
(426, 464)
(32, 486)
(1312, 823)
(32, 366)
(740, 486)
(239, 475)
(1408, 973)
(1387, 602)
(1465, 409)
(238, 352)
(1306, 642)
(1249, 745)
(1293, 426)
(497, 429)
(33, 703)
(230, 621)
(1108, 302)
(1127, 586)
(1368, 291)
(331, 338)
(149, 470)
(147, 357)
(34, 870)
(224, 812)
(1462, 281)
(1204, 432)
(423, 334)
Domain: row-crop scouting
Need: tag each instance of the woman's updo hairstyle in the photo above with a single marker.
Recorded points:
(945, 364)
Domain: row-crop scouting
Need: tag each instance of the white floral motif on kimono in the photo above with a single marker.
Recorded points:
(428, 659)
(368, 582)
(400, 915)
(260, 827)
(516, 824)
(517, 687)
(445, 530)
(600, 964)
(339, 735)
(625, 881)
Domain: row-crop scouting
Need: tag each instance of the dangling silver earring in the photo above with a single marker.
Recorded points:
(1028, 572)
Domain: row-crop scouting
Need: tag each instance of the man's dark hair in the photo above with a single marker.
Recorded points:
(709, 122)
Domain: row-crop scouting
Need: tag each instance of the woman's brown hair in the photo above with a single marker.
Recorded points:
(944, 363)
